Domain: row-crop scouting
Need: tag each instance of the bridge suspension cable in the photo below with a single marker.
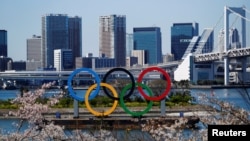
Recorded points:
(215, 26)
(217, 23)
(234, 22)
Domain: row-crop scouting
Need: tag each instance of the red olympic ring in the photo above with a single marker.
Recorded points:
(155, 98)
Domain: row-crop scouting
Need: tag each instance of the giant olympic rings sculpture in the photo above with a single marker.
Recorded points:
(123, 95)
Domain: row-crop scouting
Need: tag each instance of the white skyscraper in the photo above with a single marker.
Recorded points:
(63, 59)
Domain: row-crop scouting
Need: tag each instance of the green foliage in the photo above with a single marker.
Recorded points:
(182, 96)
(135, 104)
(101, 101)
(6, 104)
(179, 98)
(156, 103)
(170, 104)
(65, 102)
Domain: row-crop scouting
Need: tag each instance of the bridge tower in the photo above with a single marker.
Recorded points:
(227, 12)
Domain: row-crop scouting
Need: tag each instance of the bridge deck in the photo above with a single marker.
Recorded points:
(232, 53)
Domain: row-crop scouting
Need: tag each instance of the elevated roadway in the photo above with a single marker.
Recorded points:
(63, 75)
(232, 53)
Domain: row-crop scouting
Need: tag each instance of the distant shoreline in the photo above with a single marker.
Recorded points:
(218, 86)
(200, 86)
(230, 86)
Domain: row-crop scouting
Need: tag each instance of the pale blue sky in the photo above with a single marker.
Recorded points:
(22, 18)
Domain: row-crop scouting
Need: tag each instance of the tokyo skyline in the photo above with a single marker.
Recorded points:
(22, 19)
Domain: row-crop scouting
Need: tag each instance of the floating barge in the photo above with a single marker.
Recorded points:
(121, 120)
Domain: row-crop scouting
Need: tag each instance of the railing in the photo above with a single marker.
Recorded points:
(232, 53)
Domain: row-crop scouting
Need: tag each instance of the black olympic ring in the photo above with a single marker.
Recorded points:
(131, 77)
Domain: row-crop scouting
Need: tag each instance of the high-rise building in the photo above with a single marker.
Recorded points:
(129, 44)
(3, 43)
(181, 35)
(54, 36)
(34, 48)
(112, 44)
(60, 32)
(201, 44)
(234, 39)
(149, 40)
(75, 37)
(34, 55)
(63, 59)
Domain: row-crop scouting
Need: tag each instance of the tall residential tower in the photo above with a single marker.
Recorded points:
(112, 41)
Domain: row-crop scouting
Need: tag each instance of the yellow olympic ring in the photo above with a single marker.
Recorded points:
(106, 113)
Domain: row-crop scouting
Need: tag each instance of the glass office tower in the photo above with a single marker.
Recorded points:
(149, 40)
(3, 43)
(129, 44)
(181, 36)
(59, 31)
(54, 36)
(75, 37)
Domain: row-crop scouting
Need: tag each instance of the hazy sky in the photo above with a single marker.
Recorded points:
(22, 18)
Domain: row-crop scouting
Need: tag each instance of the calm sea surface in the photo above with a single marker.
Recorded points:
(240, 97)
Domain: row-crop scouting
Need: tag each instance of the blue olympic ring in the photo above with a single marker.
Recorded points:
(71, 91)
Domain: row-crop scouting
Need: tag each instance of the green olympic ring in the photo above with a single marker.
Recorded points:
(135, 114)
